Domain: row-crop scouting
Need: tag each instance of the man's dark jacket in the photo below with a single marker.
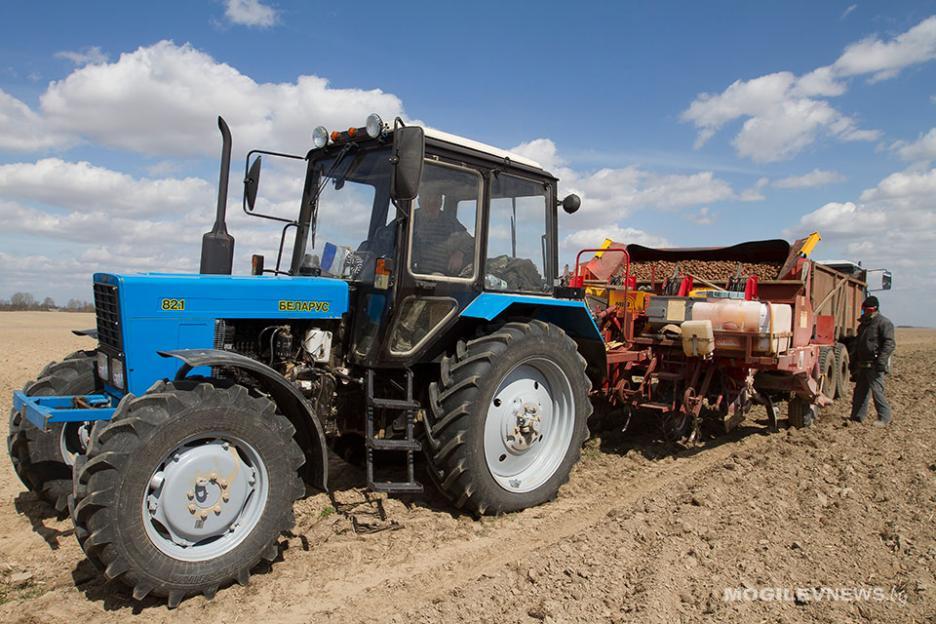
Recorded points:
(874, 344)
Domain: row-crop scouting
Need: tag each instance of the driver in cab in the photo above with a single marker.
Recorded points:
(441, 245)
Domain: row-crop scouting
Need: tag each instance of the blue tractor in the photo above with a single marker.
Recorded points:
(420, 310)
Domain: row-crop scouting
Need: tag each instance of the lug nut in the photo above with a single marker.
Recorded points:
(203, 514)
(190, 494)
(214, 476)
(223, 483)
(192, 508)
(217, 510)
(225, 496)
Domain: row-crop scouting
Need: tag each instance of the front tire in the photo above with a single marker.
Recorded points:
(510, 417)
(43, 459)
(185, 491)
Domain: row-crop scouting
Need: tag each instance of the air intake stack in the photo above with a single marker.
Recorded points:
(217, 256)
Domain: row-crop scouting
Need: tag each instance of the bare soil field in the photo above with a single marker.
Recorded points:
(643, 532)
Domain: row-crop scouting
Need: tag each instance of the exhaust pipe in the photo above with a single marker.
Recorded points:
(217, 253)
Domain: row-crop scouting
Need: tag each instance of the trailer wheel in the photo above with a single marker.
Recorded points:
(828, 372)
(801, 413)
(185, 491)
(510, 417)
(43, 459)
(843, 369)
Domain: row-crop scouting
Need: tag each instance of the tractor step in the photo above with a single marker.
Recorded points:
(400, 487)
(663, 407)
(666, 375)
(394, 445)
(394, 404)
(409, 445)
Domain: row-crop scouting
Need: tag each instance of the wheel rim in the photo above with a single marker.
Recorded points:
(73, 441)
(205, 497)
(529, 425)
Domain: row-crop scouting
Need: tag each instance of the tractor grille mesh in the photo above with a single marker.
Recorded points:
(108, 316)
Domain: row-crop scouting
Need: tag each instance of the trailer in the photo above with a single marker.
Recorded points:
(704, 333)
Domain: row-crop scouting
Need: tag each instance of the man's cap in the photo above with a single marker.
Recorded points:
(870, 302)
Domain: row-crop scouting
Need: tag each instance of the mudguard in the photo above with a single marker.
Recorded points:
(286, 396)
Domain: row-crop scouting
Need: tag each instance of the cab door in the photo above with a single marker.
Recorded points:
(441, 270)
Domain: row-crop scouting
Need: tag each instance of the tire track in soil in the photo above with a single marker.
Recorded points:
(435, 573)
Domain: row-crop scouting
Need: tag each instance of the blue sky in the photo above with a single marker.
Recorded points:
(679, 123)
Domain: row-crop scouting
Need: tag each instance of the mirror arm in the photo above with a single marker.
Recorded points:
(250, 213)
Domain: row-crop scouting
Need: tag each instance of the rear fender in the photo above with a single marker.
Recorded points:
(571, 315)
(287, 397)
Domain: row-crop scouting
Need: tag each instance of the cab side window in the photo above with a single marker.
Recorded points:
(517, 242)
(444, 221)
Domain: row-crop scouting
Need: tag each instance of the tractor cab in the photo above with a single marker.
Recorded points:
(419, 223)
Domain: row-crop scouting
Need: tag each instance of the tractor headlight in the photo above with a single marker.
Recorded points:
(374, 125)
(320, 137)
(117, 374)
(102, 366)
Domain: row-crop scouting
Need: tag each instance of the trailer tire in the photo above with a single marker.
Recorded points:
(801, 413)
(40, 458)
(843, 368)
(171, 452)
(484, 453)
(828, 372)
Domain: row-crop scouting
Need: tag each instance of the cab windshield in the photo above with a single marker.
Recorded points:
(352, 224)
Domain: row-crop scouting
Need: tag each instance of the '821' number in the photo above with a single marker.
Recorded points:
(173, 305)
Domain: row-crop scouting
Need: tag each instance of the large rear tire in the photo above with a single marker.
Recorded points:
(185, 491)
(43, 459)
(510, 417)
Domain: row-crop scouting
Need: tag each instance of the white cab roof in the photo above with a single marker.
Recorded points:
(481, 147)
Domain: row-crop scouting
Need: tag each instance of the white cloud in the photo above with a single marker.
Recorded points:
(847, 11)
(23, 130)
(703, 216)
(84, 188)
(86, 56)
(816, 177)
(885, 59)
(594, 237)
(250, 13)
(164, 99)
(923, 149)
(783, 114)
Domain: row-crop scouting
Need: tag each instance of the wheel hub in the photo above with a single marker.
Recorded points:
(199, 497)
(526, 431)
(529, 425)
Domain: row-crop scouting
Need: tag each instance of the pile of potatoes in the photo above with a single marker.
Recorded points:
(711, 270)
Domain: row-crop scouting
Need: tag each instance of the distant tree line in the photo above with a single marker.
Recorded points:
(25, 301)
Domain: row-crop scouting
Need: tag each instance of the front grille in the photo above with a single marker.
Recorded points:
(108, 316)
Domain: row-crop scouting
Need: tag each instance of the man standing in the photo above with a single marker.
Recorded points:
(870, 358)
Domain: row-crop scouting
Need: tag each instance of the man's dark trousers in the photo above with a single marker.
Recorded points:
(869, 381)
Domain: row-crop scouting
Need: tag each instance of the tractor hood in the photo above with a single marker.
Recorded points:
(139, 315)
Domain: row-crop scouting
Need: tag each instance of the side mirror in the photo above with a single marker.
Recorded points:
(252, 183)
(571, 203)
(409, 151)
(887, 280)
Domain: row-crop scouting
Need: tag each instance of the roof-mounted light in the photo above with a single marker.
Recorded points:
(374, 126)
(320, 137)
